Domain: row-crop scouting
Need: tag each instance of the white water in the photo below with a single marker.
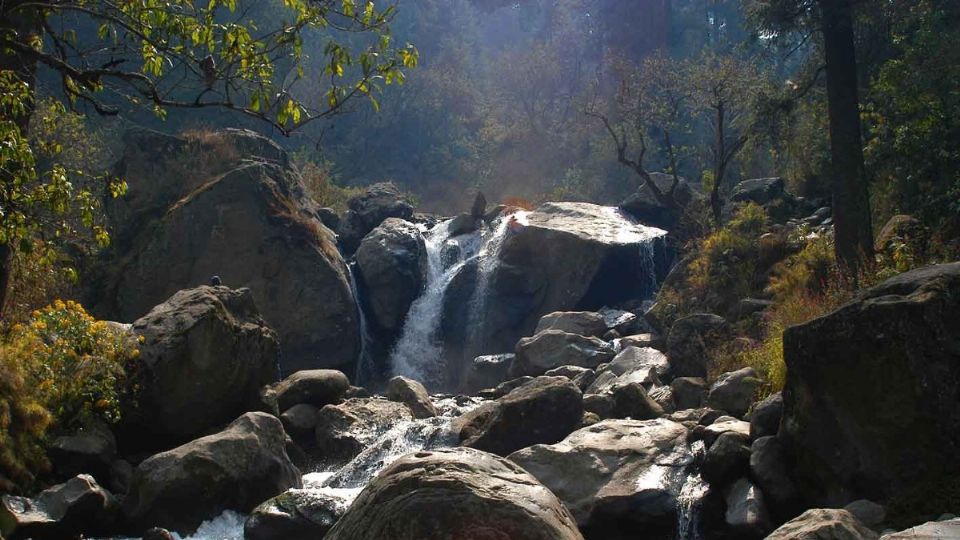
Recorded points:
(366, 369)
(418, 354)
(690, 500)
(648, 268)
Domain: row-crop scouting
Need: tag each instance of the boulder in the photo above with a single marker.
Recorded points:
(758, 190)
(561, 257)
(819, 524)
(235, 469)
(582, 377)
(871, 514)
(317, 387)
(689, 392)
(631, 400)
(949, 528)
(66, 510)
(642, 340)
(734, 392)
(631, 365)
(345, 430)
(725, 424)
(623, 322)
(689, 341)
(392, 261)
(870, 403)
(298, 514)
(368, 210)
(584, 323)
(747, 515)
(486, 372)
(300, 422)
(195, 210)
(765, 417)
(459, 493)
(91, 449)
(412, 394)
(205, 355)
(769, 469)
(554, 348)
(645, 207)
(625, 472)
(727, 459)
(464, 224)
(543, 411)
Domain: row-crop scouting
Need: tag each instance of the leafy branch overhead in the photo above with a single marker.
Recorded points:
(196, 54)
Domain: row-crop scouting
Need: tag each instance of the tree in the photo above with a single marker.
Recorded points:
(165, 55)
(834, 20)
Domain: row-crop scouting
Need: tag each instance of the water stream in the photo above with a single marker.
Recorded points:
(366, 366)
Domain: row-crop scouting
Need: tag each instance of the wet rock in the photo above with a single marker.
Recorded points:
(625, 471)
(345, 430)
(459, 493)
(543, 411)
(77, 506)
(870, 402)
(747, 514)
(554, 348)
(297, 514)
(317, 387)
(632, 401)
(234, 469)
(734, 392)
(486, 372)
(412, 394)
(818, 524)
(368, 210)
(769, 469)
(464, 224)
(157, 533)
(205, 355)
(689, 341)
(765, 417)
(392, 263)
(584, 323)
(300, 421)
(727, 459)
(689, 392)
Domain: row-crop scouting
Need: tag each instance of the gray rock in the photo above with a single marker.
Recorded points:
(931, 530)
(77, 506)
(412, 394)
(746, 514)
(819, 524)
(734, 392)
(869, 513)
(368, 210)
(300, 421)
(644, 206)
(620, 321)
(234, 469)
(298, 514)
(554, 348)
(392, 264)
(765, 417)
(631, 365)
(464, 224)
(770, 470)
(758, 190)
(870, 402)
(689, 392)
(632, 401)
(689, 341)
(206, 353)
(543, 411)
(663, 395)
(584, 323)
(724, 425)
(459, 493)
(486, 372)
(317, 387)
(345, 430)
(623, 469)
(91, 449)
(642, 340)
(727, 459)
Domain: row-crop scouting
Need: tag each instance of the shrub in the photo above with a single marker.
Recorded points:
(60, 371)
(806, 272)
(321, 187)
(727, 259)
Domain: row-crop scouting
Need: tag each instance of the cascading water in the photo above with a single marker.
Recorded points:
(690, 500)
(366, 368)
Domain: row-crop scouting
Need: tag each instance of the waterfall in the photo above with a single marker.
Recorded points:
(418, 353)
(690, 498)
(648, 268)
(366, 367)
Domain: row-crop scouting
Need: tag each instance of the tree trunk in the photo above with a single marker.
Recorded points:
(719, 164)
(851, 204)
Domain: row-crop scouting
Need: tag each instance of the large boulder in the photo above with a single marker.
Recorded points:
(765, 416)
(298, 514)
(560, 257)
(554, 348)
(460, 493)
(368, 210)
(345, 430)
(747, 514)
(645, 207)
(317, 387)
(66, 510)
(412, 394)
(616, 472)
(90, 449)
(235, 469)
(392, 260)
(584, 323)
(820, 524)
(690, 340)
(206, 352)
(734, 392)
(194, 212)
(543, 411)
(486, 372)
(769, 469)
(872, 392)
(631, 365)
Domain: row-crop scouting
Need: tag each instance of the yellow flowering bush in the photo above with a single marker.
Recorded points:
(59, 370)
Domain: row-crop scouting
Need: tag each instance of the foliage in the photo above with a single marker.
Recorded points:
(320, 184)
(726, 260)
(62, 369)
(805, 273)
